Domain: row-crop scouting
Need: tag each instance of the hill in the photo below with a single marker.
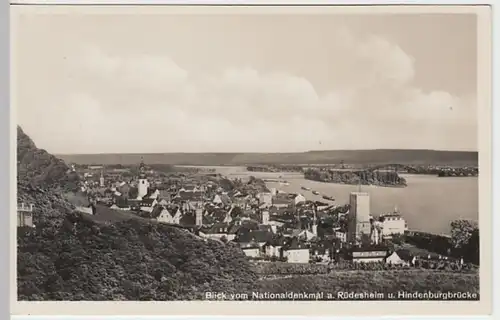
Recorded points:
(71, 256)
(358, 157)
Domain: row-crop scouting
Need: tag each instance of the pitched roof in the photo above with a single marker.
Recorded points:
(217, 228)
(255, 235)
(294, 244)
(404, 254)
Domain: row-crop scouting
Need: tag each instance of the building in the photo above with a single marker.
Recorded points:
(265, 198)
(371, 254)
(101, 180)
(392, 224)
(359, 216)
(401, 258)
(296, 252)
(252, 250)
(265, 217)
(342, 236)
(166, 216)
(25, 215)
(143, 184)
(299, 199)
(218, 231)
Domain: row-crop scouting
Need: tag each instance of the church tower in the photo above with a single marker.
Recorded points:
(101, 180)
(143, 184)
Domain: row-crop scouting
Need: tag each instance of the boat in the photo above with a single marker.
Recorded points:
(305, 188)
(328, 198)
(315, 192)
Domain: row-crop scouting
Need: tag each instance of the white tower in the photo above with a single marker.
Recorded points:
(359, 216)
(101, 180)
(314, 228)
(143, 184)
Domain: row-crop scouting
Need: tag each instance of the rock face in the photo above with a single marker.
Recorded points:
(364, 177)
(71, 256)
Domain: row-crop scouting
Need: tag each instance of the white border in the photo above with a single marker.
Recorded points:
(295, 307)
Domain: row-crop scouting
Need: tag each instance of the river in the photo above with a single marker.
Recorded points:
(428, 203)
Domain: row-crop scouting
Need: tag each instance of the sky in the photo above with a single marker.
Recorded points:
(136, 83)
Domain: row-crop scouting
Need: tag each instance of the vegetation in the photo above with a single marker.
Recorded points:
(465, 240)
(72, 256)
(130, 260)
(283, 268)
(364, 177)
(391, 281)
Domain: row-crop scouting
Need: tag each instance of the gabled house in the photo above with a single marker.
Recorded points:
(400, 257)
(222, 200)
(251, 250)
(253, 236)
(167, 215)
(273, 247)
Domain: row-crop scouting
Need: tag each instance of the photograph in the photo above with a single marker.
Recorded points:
(244, 154)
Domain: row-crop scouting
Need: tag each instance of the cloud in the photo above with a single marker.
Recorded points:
(149, 103)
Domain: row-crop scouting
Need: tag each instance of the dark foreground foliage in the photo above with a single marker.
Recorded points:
(71, 257)
(130, 260)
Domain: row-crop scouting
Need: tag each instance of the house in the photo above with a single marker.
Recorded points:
(299, 199)
(251, 250)
(165, 215)
(86, 209)
(120, 206)
(147, 205)
(342, 236)
(246, 237)
(25, 215)
(273, 247)
(392, 224)
(265, 198)
(221, 200)
(281, 202)
(295, 251)
(401, 257)
(218, 231)
(322, 250)
(368, 254)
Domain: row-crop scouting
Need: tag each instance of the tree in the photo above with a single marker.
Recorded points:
(465, 239)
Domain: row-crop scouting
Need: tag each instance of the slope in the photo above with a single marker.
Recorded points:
(68, 256)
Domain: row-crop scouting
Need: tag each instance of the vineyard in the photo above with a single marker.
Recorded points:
(283, 268)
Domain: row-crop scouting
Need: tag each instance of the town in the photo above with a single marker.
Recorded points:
(268, 225)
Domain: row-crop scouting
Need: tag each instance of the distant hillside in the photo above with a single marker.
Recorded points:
(71, 256)
(358, 157)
